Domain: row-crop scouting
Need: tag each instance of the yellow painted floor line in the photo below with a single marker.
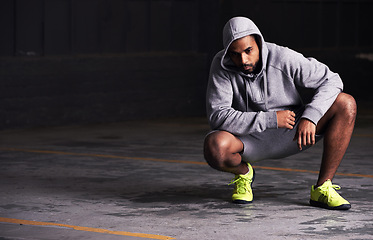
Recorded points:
(100, 155)
(170, 161)
(86, 229)
(310, 171)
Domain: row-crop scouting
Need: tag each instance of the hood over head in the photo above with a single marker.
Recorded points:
(236, 28)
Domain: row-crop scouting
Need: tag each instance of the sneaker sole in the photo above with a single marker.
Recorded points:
(240, 201)
(323, 205)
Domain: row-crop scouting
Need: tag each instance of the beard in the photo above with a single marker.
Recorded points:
(249, 68)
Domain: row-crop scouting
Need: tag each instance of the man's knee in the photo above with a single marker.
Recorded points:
(217, 147)
(347, 106)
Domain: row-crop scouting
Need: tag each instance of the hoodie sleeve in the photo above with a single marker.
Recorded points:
(221, 114)
(310, 73)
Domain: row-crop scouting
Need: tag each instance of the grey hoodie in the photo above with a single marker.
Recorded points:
(246, 103)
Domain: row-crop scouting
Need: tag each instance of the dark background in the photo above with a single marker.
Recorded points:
(95, 61)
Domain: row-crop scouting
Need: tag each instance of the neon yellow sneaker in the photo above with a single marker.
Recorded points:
(243, 193)
(325, 196)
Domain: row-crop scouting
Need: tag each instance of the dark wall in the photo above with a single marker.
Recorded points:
(86, 61)
(96, 89)
(55, 27)
(312, 24)
(66, 27)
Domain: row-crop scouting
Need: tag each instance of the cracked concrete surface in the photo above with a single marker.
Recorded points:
(149, 177)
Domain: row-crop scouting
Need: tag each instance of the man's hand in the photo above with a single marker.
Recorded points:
(305, 134)
(285, 119)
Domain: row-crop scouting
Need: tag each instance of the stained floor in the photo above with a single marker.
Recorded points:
(148, 180)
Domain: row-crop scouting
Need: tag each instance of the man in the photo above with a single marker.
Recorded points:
(256, 112)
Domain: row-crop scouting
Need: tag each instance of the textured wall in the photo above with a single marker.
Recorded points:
(86, 61)
(73, 90)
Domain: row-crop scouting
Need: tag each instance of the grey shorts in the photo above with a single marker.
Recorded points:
(271, 144)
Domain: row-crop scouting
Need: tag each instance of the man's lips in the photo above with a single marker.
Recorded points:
(247, 66)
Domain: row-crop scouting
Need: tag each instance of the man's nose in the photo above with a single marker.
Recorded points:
(243, 58)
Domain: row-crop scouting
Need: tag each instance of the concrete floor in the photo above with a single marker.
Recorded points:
(148, 180)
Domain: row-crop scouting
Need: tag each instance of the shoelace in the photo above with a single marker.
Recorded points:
(328, 189)
(241, 184)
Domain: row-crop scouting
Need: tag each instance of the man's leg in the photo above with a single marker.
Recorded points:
(337, 126)
(222, 152)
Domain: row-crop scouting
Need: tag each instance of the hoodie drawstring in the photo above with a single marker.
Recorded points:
(247, 95)
(265, 89)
